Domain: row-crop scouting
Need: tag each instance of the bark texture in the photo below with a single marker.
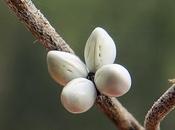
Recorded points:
(40, 27)
(117, 113)
(164, 105)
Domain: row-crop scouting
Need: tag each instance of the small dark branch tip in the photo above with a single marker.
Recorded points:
(91, 76)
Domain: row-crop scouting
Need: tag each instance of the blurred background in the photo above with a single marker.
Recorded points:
(144, 32)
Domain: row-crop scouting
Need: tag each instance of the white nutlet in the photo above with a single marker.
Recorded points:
(113, 80)
(63, 67)
(78, 95)
(99, 50)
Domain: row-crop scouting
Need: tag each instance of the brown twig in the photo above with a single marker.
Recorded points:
(117, 113)
(50, 39)
(164, 105)
(38, 25)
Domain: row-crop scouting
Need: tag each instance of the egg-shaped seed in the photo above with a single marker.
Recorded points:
(63, 67)
(100, 50)
(113, 80)
(78, 95)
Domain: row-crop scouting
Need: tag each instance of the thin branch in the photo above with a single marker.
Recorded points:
(164, 105)
(38, 25)
(34, 20)
(117, 113)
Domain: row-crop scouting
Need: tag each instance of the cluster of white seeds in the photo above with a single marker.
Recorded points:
(81, 82)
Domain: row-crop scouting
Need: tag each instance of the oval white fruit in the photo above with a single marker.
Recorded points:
(113, 80)
(99, 50)
(64, 67)
(78, 95)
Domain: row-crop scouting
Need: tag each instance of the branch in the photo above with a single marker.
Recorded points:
(164, 105)
(34, 20)
(38, 25)
(117, 113)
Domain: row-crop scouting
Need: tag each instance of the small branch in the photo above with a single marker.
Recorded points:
(117, 113)
(50, 39)
(164, 105)
(38, 25)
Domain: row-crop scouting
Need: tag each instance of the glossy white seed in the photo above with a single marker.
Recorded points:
(78, 95)
(63, 67)
(99, 50)
(113, 80)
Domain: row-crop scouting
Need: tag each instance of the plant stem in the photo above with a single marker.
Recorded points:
(40, 27)
(164, 105)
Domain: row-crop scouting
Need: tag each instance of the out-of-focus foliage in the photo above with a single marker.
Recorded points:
(144, 31)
